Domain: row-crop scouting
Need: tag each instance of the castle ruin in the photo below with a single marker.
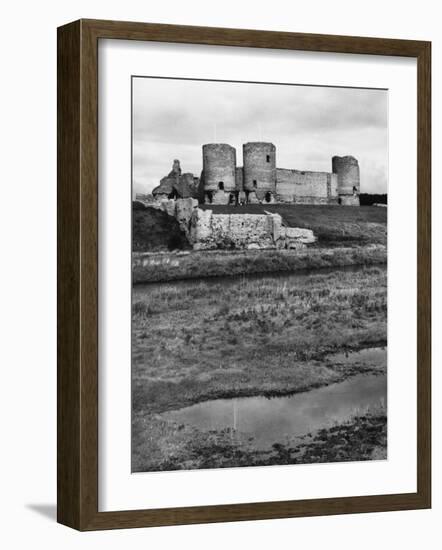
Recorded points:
(206, 229)
(259, 180)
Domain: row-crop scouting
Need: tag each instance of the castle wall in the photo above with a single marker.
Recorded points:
(206, 230)
(189, 179)
(176, 184)
(297, 186)
(216, 197)
(349, 200)
(209, 230)
(239, 178)
(243, 230)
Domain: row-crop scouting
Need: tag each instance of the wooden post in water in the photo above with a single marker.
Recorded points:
(235, 414)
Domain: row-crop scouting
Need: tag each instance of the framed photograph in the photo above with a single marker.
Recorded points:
(243, 274)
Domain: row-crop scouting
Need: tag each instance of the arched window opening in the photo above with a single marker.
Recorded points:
(221, 185)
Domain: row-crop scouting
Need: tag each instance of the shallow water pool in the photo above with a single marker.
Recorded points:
(270, 420)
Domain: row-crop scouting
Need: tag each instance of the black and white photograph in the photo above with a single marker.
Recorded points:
(218, 275)
(259, 274)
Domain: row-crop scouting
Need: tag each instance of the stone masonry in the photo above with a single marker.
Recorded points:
(259, 180)
(207, 230)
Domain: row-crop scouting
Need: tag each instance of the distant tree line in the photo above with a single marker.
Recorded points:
(367, 199)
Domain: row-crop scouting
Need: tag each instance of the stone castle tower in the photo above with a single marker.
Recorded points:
(259, 171)
(347, 170)
(219, 172)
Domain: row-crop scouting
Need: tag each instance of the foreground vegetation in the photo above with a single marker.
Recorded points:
(222, 263)
(196, 340)
(200, 340)
(153, 230)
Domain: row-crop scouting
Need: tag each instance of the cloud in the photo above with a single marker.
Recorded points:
(173, 118)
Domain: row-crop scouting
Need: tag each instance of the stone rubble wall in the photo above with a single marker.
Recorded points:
(206, 230)
(232, 230)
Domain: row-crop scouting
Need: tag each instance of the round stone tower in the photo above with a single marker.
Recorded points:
(219, 172)
(259, 171)
(347, 170)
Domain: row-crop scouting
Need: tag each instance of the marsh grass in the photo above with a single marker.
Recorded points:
(195, 342)
(245, 262)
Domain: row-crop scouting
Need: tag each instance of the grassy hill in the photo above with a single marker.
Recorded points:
(153, 230)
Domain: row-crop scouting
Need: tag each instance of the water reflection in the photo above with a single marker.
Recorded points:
(272, 420)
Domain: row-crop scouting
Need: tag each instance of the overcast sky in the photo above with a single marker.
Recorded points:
(172, 119)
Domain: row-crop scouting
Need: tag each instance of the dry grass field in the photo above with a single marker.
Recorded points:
(174, 266)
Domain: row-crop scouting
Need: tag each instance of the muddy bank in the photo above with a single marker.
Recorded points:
(363, 437)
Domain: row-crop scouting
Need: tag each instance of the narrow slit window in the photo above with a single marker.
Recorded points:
(268, 158)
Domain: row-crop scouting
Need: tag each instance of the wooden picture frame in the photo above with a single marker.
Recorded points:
(78, 274)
